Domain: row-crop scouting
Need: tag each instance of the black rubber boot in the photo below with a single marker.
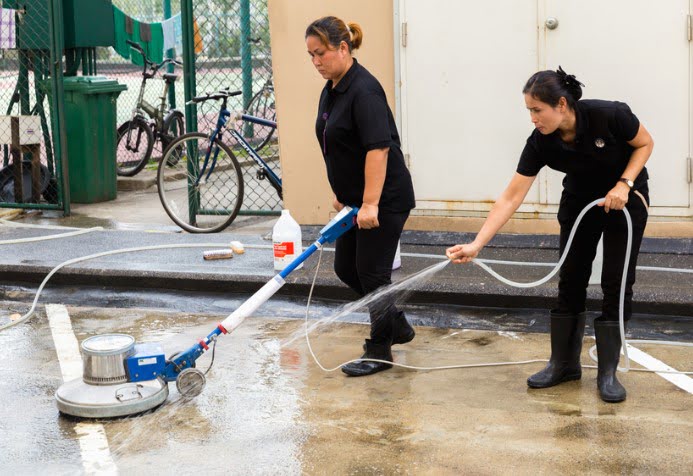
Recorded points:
(402, 331)
(608, 336)
(567, 330)
(373, 351)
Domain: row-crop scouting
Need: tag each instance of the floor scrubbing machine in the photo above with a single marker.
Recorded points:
(121, 377)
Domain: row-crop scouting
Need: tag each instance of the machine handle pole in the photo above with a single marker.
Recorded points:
(339, 225)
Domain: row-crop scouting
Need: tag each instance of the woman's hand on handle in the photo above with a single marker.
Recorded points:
(367, 217)
(462, 253)
(337, 205)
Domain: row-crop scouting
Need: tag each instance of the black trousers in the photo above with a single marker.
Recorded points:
(363, 261)
(575, 272)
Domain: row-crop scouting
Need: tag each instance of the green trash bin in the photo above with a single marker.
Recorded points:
(90, 126)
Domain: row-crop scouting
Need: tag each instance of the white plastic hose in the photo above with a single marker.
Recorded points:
(482, 264)
(237, 317)
(73, 232)
(28, 315)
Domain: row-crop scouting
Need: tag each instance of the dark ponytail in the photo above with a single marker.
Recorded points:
(332, 31)
(550, 86)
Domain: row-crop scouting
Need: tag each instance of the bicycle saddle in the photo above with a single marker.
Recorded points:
(170, 77)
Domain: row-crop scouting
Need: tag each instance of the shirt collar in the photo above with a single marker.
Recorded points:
(345, 82)
(582, 122)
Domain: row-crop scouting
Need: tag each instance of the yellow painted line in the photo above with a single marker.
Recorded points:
(93, 443)
(684, 382)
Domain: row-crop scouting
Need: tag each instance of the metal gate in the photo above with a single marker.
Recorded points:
(223, 44)
(32, 130)
(227, 45)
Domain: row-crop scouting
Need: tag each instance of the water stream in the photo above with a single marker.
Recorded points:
(394, 293)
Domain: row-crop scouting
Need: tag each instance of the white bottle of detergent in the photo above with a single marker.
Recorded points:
(286, 238)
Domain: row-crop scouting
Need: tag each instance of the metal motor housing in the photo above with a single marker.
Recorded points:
(105, 389)
(103, 358)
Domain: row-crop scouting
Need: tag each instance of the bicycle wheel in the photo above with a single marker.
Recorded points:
(262, 105)
(134, 147)
(175, 128)
(199, 199)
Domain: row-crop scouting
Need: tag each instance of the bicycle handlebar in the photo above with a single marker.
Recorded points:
(135, 46)
(214, 96)
(149, 63)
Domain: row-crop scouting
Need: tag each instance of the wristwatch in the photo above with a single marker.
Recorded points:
(627, 182)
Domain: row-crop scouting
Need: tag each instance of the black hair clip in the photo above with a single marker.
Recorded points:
(568, 79)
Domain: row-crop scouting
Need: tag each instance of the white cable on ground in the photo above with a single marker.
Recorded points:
(481, 264)
(28, 315)
(74, 232)
(15, 224)
(395, 364)
(50, 237)
(536, 263)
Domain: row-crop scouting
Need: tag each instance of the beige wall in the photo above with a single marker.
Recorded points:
(297, 90)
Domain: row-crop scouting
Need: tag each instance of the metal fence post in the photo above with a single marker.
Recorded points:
(170, 67)
(55, 12)
(246, 62)
(189, 84)
(23, 82)
(189, 80)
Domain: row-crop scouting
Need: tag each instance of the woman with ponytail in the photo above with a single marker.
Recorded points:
(365, 167)
(602, 148)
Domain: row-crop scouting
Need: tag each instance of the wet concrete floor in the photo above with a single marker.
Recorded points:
(134, 210)
(268, 409)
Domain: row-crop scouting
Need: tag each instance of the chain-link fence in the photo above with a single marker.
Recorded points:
(231, 50)
(30, 133)
(232, 38)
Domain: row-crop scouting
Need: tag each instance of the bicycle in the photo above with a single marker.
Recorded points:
(200, 181)
(137, 136)
(262, 105)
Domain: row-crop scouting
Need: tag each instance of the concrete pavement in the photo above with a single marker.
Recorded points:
(268, 409)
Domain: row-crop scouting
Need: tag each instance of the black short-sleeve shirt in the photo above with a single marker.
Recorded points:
(354, 118)
(595, 162)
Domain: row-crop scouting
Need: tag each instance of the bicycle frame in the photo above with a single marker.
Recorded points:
(224, 115)
(143, 107)
(149, 71)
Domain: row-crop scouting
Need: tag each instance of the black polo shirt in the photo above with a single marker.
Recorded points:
(595, 162)
(354, 118)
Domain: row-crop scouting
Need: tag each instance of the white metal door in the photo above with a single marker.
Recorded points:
(463, 116)
(636, 51)
(463, 67)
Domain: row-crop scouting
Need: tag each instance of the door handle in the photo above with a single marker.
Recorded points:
(551, 23)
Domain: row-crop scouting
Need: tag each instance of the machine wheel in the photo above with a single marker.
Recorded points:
(190, 382)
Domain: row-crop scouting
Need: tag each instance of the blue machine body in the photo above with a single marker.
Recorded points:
(339, 225)
(147, 363)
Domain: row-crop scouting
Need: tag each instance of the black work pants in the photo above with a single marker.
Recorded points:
(363, 261)
(576, 270)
